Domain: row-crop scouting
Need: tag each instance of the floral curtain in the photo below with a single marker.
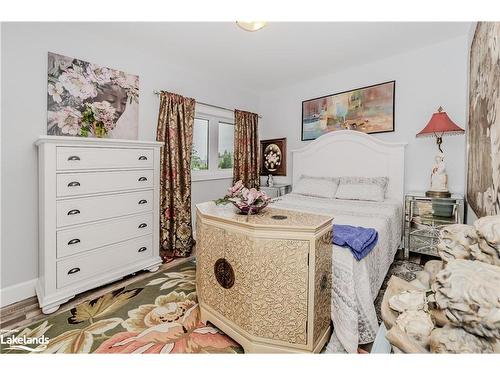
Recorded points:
(175, 129)
(246, 149)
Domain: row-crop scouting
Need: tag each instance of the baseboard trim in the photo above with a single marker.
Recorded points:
(17, 292)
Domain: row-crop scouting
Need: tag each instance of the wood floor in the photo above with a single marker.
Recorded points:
(27, 311)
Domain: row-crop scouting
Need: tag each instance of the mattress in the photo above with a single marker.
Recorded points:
(355, 283)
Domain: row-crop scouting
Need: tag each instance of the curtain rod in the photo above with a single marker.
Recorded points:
(156, 92)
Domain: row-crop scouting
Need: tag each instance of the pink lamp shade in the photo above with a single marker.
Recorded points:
(440, 124)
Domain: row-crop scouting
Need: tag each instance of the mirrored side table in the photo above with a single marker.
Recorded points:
(424, 217)
(277, 190)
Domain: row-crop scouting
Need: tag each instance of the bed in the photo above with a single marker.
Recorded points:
(355, 283)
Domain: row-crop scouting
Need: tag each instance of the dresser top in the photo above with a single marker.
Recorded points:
(74, 141)
(269, 218)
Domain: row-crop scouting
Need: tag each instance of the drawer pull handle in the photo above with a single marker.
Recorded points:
(74, 212)
(143, 179)
(73, 184)
(73, 270)
(142, 157)
(74, 241)
(142, 249)
(143, 225)
(143, 201)
(73, 158)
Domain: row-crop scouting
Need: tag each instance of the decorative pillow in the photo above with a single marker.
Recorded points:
(321, 187)
(362, 188)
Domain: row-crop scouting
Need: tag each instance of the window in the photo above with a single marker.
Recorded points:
(199, 153)
(226, 139)
(212, 153)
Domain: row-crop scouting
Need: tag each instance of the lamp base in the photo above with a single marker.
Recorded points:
(437, 194)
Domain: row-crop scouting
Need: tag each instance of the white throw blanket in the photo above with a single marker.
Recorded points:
(355, 283)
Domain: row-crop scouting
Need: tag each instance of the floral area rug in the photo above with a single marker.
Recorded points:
(159, 314)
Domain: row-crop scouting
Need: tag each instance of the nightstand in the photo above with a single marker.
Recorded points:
(424, 217)
(277, 190)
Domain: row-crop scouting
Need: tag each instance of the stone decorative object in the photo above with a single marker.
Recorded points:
(417, 324)
(469, 293)
(408, 301)
(489, 229)
(422, 280)
(488, 249)
(403, 343)
(456, 340)
(395, 286)
(456, 241)
(479, 242)
(432, 267)
(439, 317)
(462, 315)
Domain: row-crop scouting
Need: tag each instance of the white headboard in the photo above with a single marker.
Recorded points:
(352, 153)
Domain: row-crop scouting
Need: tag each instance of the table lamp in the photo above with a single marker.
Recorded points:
(439, 125)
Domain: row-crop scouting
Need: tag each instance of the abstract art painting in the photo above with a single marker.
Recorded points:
(483, 176)
(368, 109)
(87, 100)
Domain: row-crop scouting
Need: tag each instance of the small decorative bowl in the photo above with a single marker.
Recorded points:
(250, 210)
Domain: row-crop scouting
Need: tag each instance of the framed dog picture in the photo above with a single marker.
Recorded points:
(273, 157)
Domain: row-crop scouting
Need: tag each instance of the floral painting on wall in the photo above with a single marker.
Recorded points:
(483, 180)
(87, 100)
(273, 157)
(368, 109)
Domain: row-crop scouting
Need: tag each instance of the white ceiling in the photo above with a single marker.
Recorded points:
(283, 53)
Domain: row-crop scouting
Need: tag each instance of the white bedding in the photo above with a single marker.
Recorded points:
(355, 283)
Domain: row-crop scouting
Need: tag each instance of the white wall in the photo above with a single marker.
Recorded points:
(425, 79)
(24, 110)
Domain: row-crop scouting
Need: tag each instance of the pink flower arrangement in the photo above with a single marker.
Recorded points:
(248, 201)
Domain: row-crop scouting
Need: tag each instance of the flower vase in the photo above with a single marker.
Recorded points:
(250, 210)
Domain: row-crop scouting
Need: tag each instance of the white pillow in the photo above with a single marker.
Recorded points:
(362, 188)
(321, 187)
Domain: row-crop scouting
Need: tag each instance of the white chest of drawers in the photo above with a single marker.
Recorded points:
(98, 213)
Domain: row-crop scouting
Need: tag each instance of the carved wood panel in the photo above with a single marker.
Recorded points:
(269, 294)
(279, 296)
(322, 284)
(209, 248)
(239, 252)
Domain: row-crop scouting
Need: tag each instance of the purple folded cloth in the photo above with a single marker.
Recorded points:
(359, 240)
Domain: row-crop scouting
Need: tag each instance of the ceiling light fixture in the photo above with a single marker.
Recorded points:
(251, 25)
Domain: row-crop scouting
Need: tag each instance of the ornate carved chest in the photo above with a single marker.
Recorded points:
(265, 280)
